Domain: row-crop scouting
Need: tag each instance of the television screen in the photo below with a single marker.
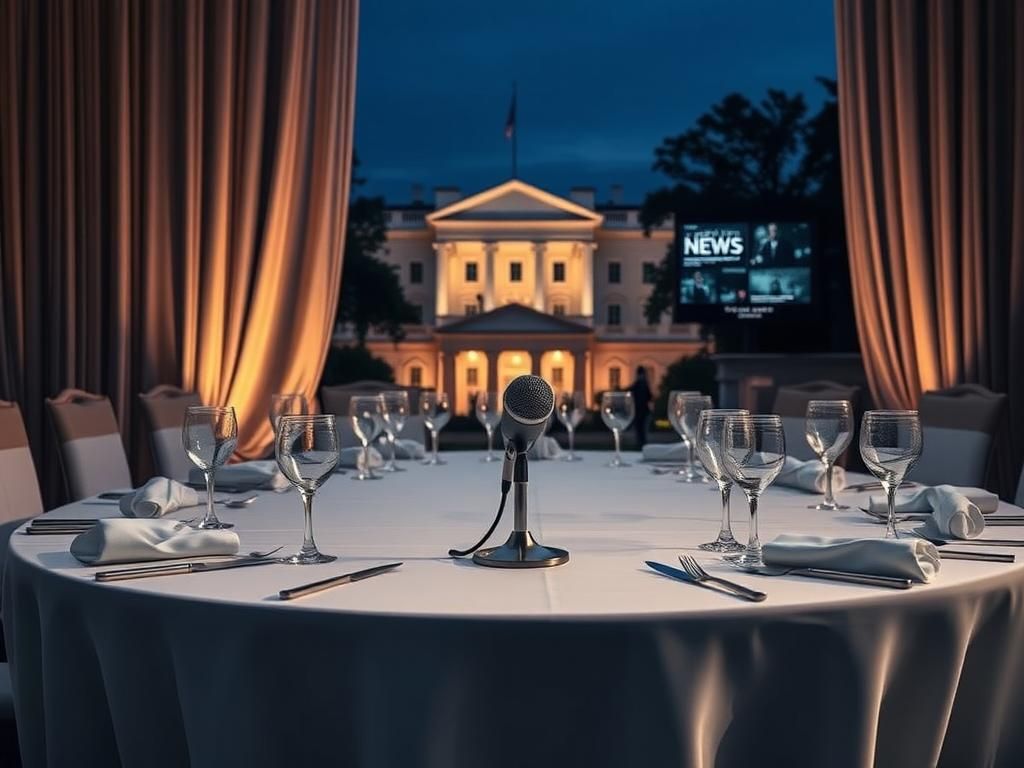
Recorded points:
(748, 270)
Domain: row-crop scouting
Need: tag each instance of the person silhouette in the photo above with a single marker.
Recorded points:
(642, 397)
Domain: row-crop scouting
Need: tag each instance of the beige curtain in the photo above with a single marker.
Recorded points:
(173, 188)
(931, 105)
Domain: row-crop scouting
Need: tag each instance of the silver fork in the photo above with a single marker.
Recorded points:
(268, 553)
(696, 572)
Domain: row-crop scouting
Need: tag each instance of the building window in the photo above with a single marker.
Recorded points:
(470, 271)
(471, 377)
(614, 314)
(471, 309)
(415, 376)
(515, 272)
(614, 377)
(416, 272)
(558, 310)
(556, 378)
(614, 272)
(650, 272)
(558, 274)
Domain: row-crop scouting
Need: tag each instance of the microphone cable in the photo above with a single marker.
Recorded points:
(505, 488)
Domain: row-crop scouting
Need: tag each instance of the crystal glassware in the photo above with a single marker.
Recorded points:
(367, 414)
(209, 436)
(754, 450)
(711, 425)
(436, 412)
(307, 453)
(674, 408)
(571, 408)
(488, 413)
(829, 431)
(890, 444)
(692, 406)
(395, 410)
(286, 403)
(617, 412)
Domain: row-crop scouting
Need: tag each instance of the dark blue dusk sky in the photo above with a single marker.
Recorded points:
(601, 83)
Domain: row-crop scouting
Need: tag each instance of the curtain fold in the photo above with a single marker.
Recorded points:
(173, 191)
(931, 106)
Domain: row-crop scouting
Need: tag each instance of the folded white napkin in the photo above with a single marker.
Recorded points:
(247, 475)
(545, 448)
(409, 449)
(352, 458)
(665, 452)
(158, 497)
(809, 476)
(910, 558)
(117, 540)
(957, 512)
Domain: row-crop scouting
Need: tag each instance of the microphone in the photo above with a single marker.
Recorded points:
(527, 407)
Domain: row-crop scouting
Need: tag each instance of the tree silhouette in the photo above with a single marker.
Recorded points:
(771, 153)
(371, 294)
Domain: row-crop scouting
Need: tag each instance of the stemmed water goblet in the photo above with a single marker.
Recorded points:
(307, 453)
(367, 414)
(754, 450)
(436, 412)
(692, 406)
(395, 410)
(890, 444)
(711, 424)
(617, 412)
(571, 408)
(209, 436)
(675, 411)
(829, 431)
(488, 413)
(286, 403)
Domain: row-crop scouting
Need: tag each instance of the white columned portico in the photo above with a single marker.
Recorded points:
(489, 250)
(442, 252)
(538, 276)
(586, 251)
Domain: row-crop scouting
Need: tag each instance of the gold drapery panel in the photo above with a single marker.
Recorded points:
(931, 109)
(173, 189)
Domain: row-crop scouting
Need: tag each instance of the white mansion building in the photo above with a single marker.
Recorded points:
(516, 280)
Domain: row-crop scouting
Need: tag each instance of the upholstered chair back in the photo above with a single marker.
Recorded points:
(959, 426)
(165, 408)
(791, 404)
(91, 450)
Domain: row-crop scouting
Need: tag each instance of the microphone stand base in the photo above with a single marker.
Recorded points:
(521, 551)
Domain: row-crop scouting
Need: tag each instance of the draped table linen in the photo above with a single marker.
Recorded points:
(600, 662)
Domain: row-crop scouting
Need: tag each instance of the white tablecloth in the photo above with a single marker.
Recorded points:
(442, 663)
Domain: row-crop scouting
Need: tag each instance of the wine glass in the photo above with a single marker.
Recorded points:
(284, 403)
(617, 412)
(710, 439)
(395, 410)
(829, 431)
(436, 412)
(890, 444)
(674, 407)
(366, 412)
(754, 451)
(209, 435)
(572, 407)
(307, 453)
(488, 413)
(692, 406)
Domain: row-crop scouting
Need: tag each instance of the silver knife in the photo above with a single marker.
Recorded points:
(334, 581)
(121, 574)
(990, 557)
(727, 588)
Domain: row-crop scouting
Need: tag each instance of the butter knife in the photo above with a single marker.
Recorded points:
(122, 574)
(334, 581)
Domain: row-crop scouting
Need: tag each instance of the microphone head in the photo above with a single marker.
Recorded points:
(527, 406)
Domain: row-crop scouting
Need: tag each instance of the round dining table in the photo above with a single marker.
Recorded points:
(440, 662)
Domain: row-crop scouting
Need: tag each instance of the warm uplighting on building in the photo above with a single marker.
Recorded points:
(517, 359)
(557, 355)
(472, 355)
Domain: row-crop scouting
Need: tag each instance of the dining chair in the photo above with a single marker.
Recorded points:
(791, 404)
(91, 451)
(335, 399)
(165, 408)
(1019, 498)
(958, 426)
(19, 485)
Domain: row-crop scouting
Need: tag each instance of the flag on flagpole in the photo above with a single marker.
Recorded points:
(510, 121)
